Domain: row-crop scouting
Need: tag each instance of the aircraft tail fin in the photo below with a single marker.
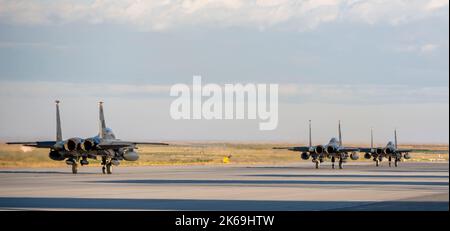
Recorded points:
(102, 120)
(395, 137)
(310, 140)
(340, 133)
(58, 123)
(371, 137)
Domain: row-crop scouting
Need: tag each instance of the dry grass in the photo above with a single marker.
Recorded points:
(197, 153)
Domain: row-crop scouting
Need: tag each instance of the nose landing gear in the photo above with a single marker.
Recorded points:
(333, 159)
(316, 162)
(74, 168)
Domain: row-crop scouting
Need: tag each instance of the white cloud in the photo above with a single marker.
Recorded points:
(424, 49)
(160, 15)
(436, 4)
(393, 12)
(428, 47)
(6, 44)
(363, 94)
(310, 93)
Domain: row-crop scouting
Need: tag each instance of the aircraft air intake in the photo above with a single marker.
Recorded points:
(319, 149)
(388, 151)
(331, 149)
(88, 145)
(379, 151)
(72, 144)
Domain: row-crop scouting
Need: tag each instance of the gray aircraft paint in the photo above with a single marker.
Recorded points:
(333, 150)
(390, 151)
(74, 150)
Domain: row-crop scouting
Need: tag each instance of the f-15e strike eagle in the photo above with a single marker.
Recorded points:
(390, 151)
(77, 150)
(333, 150)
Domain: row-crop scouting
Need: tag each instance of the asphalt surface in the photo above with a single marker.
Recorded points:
(360, 186)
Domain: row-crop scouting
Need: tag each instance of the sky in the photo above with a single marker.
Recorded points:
(381, 64)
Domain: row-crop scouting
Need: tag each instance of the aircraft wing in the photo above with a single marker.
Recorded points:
(115, 144)
(297, 149)
(349, 149)
(36, 144)
(404, 150)
(365, 149)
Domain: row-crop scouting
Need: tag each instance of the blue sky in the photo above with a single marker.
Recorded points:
(381, 64)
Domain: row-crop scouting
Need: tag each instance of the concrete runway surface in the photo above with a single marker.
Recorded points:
(360, 186)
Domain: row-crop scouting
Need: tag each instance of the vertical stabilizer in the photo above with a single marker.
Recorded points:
(310, 140)
(340, 133)
(58, 123)
(371, 137)
(395, 137)
(102, 120)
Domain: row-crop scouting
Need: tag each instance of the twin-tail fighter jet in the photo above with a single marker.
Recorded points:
(390, 151)
(77, 150)
(333, 150)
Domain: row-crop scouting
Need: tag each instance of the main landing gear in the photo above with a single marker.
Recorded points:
(73, 163)
(106, 166)
(341, 161)
(396, 160)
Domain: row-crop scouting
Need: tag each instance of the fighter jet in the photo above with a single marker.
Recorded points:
(390, 151)
(333, 150)
(77, 150)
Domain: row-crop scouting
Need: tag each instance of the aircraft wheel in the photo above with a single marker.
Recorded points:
(396, 163)
(317, 164)
(341, 164)
(75, 168)
(108, 168)
(333, 160)
(103, 169)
